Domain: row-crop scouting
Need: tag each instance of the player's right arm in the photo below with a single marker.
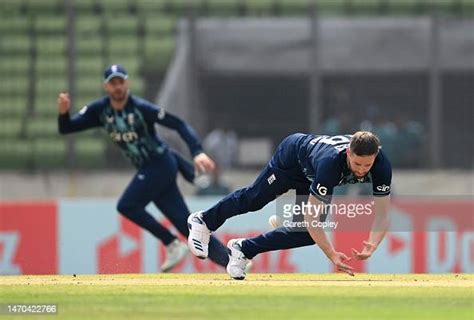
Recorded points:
(321, 190)
(155, 114)
(83, 120)
(318, 234)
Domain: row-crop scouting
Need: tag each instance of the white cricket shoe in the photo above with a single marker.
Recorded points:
(176, 251)
(199, 235)
(238, 263)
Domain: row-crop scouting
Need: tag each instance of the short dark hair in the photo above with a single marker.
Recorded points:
(364, 143)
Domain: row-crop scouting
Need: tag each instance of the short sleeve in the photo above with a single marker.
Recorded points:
(326, 178)
(381, 175)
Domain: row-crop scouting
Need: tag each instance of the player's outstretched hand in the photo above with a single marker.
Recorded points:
(366, 252)
(340, 259)
(202, 163)
(64, 103)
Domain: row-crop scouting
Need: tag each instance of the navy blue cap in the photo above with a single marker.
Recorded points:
(115, 70)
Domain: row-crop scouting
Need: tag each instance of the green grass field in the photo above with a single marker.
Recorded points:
(260, 296)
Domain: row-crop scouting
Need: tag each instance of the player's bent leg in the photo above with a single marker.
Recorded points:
(278, 239)
(242, 250)
(138, 215)
(137, 195)
(268, 185)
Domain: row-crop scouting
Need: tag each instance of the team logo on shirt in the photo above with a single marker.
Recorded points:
(383, 188)
(161, 114)
(322, 189)
(131, 119)
(109, 119)
(124, 136)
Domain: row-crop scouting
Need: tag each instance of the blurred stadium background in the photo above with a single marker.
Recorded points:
(245, 73)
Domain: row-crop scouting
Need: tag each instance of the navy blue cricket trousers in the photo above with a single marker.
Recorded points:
(280, 175)
(156, 182)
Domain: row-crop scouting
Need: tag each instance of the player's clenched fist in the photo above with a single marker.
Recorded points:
(63, 102)
(202, 163)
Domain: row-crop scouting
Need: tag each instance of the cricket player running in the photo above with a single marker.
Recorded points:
(312, 165)
(129, 121)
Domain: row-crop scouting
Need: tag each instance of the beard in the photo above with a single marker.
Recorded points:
(359, 176)
(119, 96)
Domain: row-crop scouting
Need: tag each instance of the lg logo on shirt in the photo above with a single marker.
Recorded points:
(322, 189)
(383, 188)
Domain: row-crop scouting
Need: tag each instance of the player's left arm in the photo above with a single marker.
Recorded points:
(379, 228)
(202, 161)
(381, 184)
(339, 259)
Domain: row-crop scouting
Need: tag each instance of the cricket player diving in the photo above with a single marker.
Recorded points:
(130, 123)
(312, 165)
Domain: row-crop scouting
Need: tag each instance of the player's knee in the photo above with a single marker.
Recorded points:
(124, 209)
(249, 200)
(255, 205)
